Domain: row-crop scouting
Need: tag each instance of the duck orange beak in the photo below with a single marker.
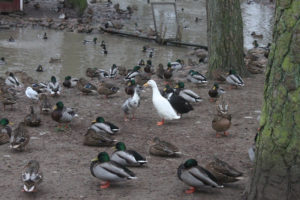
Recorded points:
(146, 85)
(54, 107)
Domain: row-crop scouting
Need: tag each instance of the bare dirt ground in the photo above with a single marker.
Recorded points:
(65, 160)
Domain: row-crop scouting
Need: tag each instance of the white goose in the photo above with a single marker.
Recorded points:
(161, 104)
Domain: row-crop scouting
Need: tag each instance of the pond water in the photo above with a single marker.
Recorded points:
(30, 50)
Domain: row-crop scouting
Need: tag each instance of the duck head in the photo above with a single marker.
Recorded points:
(99, 120)
(4, 121)
(53, 79)
(151, 83)
(180, 85)
(67, 78)
(102, 157)
(120, 146)
(59, 106)
(190, 163)
(136, 68)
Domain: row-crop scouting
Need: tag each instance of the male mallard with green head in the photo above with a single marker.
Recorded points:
(109, 171)
(70, 82)
(100, 125)
(196, 77)
(5, 131)
(129, 89)
(62, 114)
(187, 94)
(54, 87)
(196, 176)
(127, 157)
(215, 92)
(234, 79)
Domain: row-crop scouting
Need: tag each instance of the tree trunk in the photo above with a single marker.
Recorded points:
(225, 37)
(277, 167)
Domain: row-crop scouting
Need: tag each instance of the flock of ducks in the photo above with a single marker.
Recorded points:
(170, 103)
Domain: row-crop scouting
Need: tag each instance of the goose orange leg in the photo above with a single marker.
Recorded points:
(190, 191)
(160, 123)
(105, 185)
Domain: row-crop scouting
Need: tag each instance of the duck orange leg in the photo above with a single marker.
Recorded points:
(226, 133)
(190, 191)
(160, 123)
(218, 135)
(105, 185)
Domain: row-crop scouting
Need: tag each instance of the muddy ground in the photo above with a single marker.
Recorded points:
(65, 160)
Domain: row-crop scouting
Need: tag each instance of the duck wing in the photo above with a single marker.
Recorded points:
(204, 176)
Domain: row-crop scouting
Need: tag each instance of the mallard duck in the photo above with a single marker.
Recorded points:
(142, 78)
(7, 97)
(12, 81)
(133, 73)
(45, 37)
(19, 138)
(39, 68)
(40, 87)
(92, 72)
(103, 74)
(178, 65)
(90, 41)
(180, 105)
(253, 34)
(196, 77)
(107, 89)
(102, 43)
(234, 79)
(85, 87)
(5, 131)
(45, 105)
(222, 120)
(113, 71)
(168, 73)
(127, 157)
(215, 92)
(2, 61)
(70, 82)
(32, 119)
(223, 172)
(142, 62)
(31, 176)
(163, 148)
(196, 176)
(161, 104)
(131, 104)
(100, 139)
(255, 43)
(31, 94)
(129, 89)
(100, 125)
(122, 71)
(252, 149)
(160, 71)
(11, 39)
(62, 114)
(149, 67)
(187, 94)
(109, 171)
(54, 87)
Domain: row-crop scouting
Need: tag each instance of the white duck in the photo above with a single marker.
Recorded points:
(31, 94)
(161, 104)
(132, 103)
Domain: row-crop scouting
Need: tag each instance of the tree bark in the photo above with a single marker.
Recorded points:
(225, 37)
(277, 168)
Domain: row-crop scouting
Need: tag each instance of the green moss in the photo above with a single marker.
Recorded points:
(287, 65)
